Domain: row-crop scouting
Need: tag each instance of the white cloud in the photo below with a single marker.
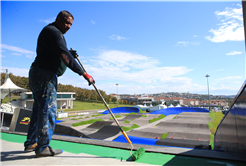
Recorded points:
(234, 53)
(230, 27)
(187, 43)
(182, 43)
(137, 74)
(117, 37)
(18, 51)
(230, 78)
(49, 20)
(215, 71)
(132, 67)
(15, 53)
(17, 71)
(93, 22)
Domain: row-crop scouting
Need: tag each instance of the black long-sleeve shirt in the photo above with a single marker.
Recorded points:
(51, 44)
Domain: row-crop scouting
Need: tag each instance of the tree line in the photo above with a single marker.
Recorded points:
(81, 94)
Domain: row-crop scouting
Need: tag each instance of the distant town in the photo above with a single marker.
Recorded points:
(174, 98)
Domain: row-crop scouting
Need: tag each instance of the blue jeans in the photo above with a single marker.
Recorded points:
(43, 85)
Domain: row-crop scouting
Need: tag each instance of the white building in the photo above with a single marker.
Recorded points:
(64, 100)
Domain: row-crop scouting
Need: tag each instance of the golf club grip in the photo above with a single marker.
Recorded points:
(126, 137)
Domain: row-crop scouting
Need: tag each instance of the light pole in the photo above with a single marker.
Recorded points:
(117, 94)
(208, 93)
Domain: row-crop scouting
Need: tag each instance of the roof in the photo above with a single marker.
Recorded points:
(9, 87)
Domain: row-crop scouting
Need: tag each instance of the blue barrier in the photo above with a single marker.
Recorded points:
(136, 140)
(58, 121)
(122, 110)
(238, 111)
(178, 110)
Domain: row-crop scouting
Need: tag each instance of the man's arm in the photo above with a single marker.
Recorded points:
(85, 74)
(65, 59)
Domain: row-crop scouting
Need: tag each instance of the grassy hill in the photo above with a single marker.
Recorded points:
(83, 106)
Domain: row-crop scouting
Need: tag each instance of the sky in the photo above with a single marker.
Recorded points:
(143, 46)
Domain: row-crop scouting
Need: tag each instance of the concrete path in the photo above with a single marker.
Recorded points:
(13, 154)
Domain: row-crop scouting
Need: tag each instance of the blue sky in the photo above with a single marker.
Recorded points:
(145, 47)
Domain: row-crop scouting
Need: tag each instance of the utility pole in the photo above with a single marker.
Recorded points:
(117, 95)
(208, 93)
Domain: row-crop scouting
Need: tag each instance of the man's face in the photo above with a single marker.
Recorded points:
(64, 24)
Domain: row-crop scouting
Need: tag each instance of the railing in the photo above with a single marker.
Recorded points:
(8, 108)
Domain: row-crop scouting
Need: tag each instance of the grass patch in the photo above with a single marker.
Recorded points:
(156, 119)
(212, 141)
(164, 135)
(216, 118)
(59, 118)
(83, 106)
(72, 116)
(133, 113)
(212, 116)
(86, 122)
(126, 121)
(116, 116)
(98, 115)
(216, 121)
(130, 128)
(7, 99)
(175, 116)
(87, 117)
(75, 119)
(144, 116)
(210, 126)
(141, 111)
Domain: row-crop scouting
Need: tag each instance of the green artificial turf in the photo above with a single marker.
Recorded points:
(123, 154)
(130, 128)
(216, 118)
(86, 122)
(116, 116)
(75, 119)
(156, 119)
(164, 135)
(97, 115)
(133, 113)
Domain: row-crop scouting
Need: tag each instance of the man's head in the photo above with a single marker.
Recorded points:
(64, 21)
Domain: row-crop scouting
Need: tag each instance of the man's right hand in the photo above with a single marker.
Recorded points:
(89, 78)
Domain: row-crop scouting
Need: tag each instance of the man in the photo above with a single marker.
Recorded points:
(51, 62)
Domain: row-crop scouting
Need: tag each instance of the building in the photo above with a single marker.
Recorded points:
(192, 102)
(64, 100)
(141, 99)
(219, 102)
(115, 95)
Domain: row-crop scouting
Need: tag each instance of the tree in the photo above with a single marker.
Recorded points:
(114, 99)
